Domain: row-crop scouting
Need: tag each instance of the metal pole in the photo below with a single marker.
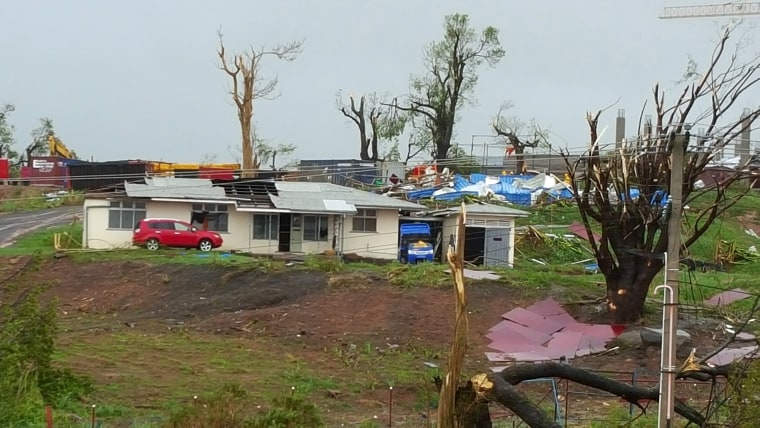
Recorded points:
(670, 317)
(472, 145)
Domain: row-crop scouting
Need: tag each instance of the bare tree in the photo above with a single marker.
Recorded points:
(385, 124)
(248, 85)
(512, 130)
(625, 193)
(452, 63)
(360, 113)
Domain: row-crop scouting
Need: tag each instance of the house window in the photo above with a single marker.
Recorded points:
(125, 214)
(365, 220)
(265, 226)
(315, 228)
(214, 216)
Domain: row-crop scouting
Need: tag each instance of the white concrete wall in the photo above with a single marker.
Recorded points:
(382, 244)
(97, 235)
(95, 231)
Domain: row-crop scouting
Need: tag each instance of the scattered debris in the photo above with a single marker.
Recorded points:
(515, 189)
(478, 274)
(729, 355)
(544, 331)
(727, 297)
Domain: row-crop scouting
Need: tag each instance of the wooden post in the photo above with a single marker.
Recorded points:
(670, 316)
(447, 400)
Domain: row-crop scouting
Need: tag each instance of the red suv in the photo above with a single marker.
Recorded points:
(153, 233)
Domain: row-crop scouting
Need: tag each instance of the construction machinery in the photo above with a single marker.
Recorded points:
(58, 149)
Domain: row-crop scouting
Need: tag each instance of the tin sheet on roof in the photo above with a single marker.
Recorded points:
(180, 189)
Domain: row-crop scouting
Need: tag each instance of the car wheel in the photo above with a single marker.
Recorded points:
(152, 244)
(205, 245)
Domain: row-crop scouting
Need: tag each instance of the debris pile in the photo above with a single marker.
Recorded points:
(516, 189)
(544, 331)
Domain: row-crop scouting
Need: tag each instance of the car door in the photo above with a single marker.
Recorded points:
(184, 234)
(168, 234)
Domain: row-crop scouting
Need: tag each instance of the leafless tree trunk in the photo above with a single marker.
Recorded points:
(247, 85)
(624, 193)
(359, 115)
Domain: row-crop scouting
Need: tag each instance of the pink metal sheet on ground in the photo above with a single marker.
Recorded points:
(507, 346)
(507, 331)
(729, 355)
(552, 310)
(593, 330)
(533, 320)
(590, 345)
(544, 331)
(727, 297)
(566, 340)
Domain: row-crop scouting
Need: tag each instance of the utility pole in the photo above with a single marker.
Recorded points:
(672, 260)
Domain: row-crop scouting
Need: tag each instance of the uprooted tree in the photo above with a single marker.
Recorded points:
(244, 70)
(623, 193)
(452, 73)
(519, 135)
(373, 122)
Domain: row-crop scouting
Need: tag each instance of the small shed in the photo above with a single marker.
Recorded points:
(489, 233)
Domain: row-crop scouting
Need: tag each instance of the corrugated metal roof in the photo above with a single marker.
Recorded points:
(175, 188)
(485, 209)
(308, 196)
(177, 182)
(312, 204)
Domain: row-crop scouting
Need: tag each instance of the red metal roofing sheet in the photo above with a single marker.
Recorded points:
(549, 308)
(727, 297)
(533, 320)
(509, 328)
(580, 230)
(566, 340)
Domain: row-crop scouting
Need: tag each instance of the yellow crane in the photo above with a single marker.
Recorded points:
(58, 149)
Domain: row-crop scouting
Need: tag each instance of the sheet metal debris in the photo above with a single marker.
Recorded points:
(544, 331)
(478, 274)
(727, 297)
(429, 183)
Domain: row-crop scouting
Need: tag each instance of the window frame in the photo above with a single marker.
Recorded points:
(361, 217)
(138, 210)
(318, 218)
(220, 210)
(271, 227)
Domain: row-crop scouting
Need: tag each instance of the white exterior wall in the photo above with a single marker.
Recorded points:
(450, 228)
(382, 244)
(239, 231)
(97, 235)
(95, 231)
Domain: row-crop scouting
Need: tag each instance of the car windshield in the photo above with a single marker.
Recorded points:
(415, 237)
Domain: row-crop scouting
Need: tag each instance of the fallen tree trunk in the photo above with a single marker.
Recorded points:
(499, 388)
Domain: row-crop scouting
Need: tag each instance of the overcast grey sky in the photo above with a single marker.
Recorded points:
(139, 79)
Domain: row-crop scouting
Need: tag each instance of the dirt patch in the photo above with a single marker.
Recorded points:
(171, 292)
(312, 314)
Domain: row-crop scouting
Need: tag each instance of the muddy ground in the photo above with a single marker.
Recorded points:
(320, 310)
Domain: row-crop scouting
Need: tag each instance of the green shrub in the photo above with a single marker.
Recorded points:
(28, 379)
(228, 408)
